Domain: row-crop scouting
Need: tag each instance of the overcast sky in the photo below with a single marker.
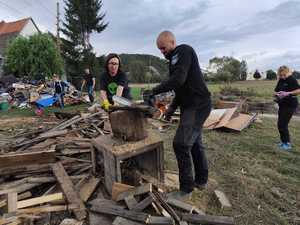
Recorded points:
(265, 33)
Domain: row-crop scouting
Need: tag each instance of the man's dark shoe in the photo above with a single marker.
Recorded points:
(180, 195)
(201, 187)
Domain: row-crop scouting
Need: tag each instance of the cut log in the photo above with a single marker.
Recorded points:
(129, 125)
(69, 190)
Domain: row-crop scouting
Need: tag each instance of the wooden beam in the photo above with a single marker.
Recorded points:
(146, 188)
(112, 209)
(40, 200)
(184, 206)
(30, 158)
(69, 190)
(160, 220)
(122, 221)
(207, 219)
(139, 207)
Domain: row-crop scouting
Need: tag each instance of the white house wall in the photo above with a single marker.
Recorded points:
(29, 29)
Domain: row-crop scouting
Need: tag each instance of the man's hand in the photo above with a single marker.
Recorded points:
(168, 114)
(283, 94)
(149, 98)
(105, 105)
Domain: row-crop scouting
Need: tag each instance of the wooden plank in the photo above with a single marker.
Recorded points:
(130, 201)
(145, 188)
(112, 209)
(122, 221)
(119, 188)
(22, 196)
(12, 199)
(88, 188)
(46, 209)
(69, 190)
(43, 157)
(183, 206)
(160, 220)
(139, 207)
(40, 200)
(71, 222)
(207, 219)
(222, 200)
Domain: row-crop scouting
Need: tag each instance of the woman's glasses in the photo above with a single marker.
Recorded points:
(113, 64)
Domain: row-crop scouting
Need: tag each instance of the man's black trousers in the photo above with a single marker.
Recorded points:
(284, 116)
(188, 146)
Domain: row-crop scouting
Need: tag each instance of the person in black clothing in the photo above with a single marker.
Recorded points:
(90, 82)
(285, 95)
(193, 98)
(59, 87)
(113, 81)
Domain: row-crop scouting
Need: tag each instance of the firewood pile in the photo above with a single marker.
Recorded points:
(50, 170)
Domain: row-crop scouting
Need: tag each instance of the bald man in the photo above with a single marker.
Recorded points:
(193, 98)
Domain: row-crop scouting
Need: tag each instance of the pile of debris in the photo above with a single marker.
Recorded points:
(24, 95)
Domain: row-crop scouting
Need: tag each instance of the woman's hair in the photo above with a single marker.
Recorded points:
(284, 70)
(109, 57)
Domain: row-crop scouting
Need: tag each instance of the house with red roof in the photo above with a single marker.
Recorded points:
(10, 30)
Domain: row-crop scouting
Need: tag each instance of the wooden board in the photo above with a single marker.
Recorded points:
(229, 115)
(240, 122)
(122, 221)
(42, 157)
(223, 200)
(112, 209)
(71, 222)
(69, 190)
(207, 219)
(139, 207)
(88, 188)
(143, 189)
(130, 202)
(39, 200)
(46, 209)
(119, 188)
(12, 199)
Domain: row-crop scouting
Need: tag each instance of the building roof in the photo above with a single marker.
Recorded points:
(13, 27)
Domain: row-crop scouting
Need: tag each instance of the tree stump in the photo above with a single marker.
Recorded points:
(129, 125)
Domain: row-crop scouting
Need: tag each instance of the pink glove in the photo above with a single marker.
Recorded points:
(283, 94)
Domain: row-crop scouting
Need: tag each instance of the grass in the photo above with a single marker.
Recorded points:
(261, 181)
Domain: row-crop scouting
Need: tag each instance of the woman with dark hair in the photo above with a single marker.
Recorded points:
(285, 95)
(113, 81)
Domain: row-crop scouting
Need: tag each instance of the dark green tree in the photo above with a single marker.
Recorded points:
(244, 70)
(226, 69)
(82, 18)
(35, 57)
(256, 75)
(271, 75)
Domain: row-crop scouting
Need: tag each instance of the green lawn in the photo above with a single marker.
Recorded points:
(261, 181)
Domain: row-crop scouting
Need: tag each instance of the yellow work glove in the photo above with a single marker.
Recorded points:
(106, 105)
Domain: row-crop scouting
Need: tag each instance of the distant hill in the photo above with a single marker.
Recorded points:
(143, 68)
